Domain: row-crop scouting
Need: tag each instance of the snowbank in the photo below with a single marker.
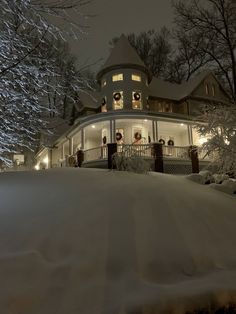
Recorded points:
(100, 242)
(227, 186)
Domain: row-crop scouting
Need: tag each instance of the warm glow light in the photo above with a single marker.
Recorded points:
(93, 126)
(36, 167)
(181, 124)
(45, 160)
(202, 140)
(145, 120)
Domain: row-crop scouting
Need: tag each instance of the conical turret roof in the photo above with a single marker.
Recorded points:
(123, 55)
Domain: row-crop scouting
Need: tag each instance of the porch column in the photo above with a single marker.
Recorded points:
(153, 131)
(71, 151)
(158, 157)
(157, 131)
(111, 131)
(82, 138)
(62, 151)
(190, 135)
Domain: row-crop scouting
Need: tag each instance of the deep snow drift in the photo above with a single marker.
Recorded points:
(83, 241)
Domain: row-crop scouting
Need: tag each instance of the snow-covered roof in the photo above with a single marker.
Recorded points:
(89, 99)
(166, 90)
(122, 54)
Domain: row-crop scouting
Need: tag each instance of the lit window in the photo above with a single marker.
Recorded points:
(104, 104)
(118, 100)
(104, 82)
(213, 90)
(207, 89)
(117, 77)
(136, 100)
(136, 77)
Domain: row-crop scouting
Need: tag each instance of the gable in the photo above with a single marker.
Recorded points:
(210, 87)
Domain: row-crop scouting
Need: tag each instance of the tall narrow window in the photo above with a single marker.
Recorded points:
(136, 100)
(136, 77)
(213, 90)
(117, 77)
(207, 89)
(118, 100)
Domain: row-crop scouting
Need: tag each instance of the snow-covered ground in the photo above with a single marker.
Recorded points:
(85, 241)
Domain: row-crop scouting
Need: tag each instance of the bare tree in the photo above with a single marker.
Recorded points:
(209, 29)
(27, 68)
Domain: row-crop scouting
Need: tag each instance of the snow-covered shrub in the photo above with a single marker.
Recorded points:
(203, 177)
(220, 177)
(134, 163)
(219, 128)
(207, 176)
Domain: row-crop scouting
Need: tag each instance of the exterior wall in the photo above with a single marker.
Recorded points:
(127, 86)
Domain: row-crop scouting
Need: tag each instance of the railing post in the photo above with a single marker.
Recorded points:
(112, 149)
(158, 157)
(80, 157)
(193, 152)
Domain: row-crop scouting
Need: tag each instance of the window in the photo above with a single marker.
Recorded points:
(136, 100)
(213, 90)
(104, 82)
(207, 89)
(117, 77)
(104, 104)
(136, 77)
(118, 100)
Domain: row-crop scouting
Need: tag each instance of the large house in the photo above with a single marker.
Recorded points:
(134, 109)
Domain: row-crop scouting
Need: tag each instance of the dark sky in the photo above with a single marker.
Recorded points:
(114, 17)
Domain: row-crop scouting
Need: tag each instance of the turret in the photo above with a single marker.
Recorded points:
(124, 79)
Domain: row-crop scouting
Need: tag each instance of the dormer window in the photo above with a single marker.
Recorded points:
(136, 100)
(117, 77)
(104, 82)
(118, 100)
(136, 77)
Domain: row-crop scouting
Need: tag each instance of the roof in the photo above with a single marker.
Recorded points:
(166, 90)
(122, 54)
(89, 99)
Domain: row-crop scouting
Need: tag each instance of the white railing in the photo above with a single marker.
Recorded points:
(141, 150)
(145, 151)
(95, 153)
(177, 152)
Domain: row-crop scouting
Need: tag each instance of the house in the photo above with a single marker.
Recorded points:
(134, 109)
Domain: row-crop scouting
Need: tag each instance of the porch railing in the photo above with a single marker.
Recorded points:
(145, 151)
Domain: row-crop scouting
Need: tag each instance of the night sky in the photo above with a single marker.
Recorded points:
(115, 17)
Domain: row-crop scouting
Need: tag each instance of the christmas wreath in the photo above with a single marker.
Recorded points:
(104, 140)
(117, 96)
(118, 136)
(137, 96)
(162, 141)
(138, 136)
(171, 143)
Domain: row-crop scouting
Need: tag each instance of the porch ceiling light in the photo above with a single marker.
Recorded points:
(181, 124)
(145, 120)
(93, 126)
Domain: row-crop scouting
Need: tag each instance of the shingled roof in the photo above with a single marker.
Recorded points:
(122, 55)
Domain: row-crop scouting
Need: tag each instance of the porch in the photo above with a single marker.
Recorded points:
(176, 159)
